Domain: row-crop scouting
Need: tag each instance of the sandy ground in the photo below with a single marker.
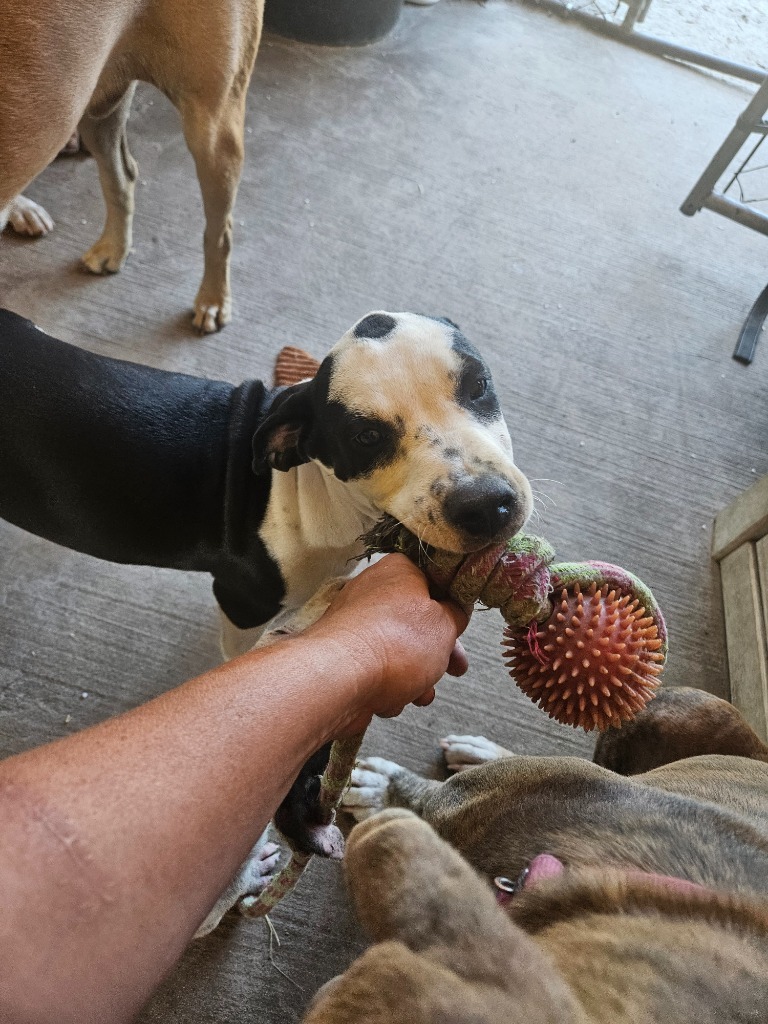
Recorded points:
(735, 29)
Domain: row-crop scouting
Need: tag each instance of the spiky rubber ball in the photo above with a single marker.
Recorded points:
(593, 663)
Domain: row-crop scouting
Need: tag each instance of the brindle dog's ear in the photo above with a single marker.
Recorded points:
(278, 443)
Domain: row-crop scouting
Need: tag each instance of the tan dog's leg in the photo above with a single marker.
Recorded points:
(680, 722)
(105, 137)
(448, 951)
(215, 139)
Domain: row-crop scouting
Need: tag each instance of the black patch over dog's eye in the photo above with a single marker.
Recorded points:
(354, 445)
(474, 388)
(368, 437)
(478, 389)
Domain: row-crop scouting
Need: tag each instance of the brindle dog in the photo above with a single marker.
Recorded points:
(656, 905)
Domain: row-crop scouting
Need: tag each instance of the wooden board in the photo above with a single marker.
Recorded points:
(745, 627)
(746, 519)
(761, 549)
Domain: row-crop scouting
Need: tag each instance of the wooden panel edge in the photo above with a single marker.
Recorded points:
(745, 634)
(745, 519)
(761, 550)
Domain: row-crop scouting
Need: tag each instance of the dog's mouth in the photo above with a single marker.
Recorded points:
(473, 515)
(459, 544)
(390, 534)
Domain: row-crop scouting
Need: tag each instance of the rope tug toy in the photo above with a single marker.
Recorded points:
(586, 641)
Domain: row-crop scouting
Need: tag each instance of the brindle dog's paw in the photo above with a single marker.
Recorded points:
(27, 217)
(368, 791)
(462, 752)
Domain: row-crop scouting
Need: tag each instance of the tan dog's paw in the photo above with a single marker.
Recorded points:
(27, 217)
(462, 752)
(105, 257)
(368, 791)
(210, 315)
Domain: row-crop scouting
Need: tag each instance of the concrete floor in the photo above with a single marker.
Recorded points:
(486, 163)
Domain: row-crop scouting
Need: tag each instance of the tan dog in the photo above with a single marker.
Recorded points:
(78, 61)
(657, 913)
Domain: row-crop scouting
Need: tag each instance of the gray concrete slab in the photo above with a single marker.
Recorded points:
(486, 163)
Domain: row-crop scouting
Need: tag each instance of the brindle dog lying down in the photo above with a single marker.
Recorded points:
(645, 899)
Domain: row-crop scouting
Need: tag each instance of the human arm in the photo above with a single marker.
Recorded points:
(117, 841)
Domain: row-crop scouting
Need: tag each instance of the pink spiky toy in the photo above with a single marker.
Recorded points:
(585, 641)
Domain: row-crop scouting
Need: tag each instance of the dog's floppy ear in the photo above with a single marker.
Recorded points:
(445, 320)
(279, 441)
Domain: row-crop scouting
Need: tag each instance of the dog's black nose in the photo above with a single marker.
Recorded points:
(481, 507)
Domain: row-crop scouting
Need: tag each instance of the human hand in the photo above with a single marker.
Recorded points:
(393, 637)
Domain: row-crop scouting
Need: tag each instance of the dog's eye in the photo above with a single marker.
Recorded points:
(368, 437)
(478, 389)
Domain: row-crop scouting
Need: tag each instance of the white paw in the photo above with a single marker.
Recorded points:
(256, 872)
(462, 752)
(368, 790)
(105, 257)
(254, 875)
(211, 316)
(27, 217)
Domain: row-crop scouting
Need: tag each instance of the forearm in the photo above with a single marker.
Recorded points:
(135, 826)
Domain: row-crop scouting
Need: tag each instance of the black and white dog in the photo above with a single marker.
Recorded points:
(268, 490)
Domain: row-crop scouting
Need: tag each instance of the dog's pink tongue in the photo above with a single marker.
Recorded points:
(543, 866)
(546, 866)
